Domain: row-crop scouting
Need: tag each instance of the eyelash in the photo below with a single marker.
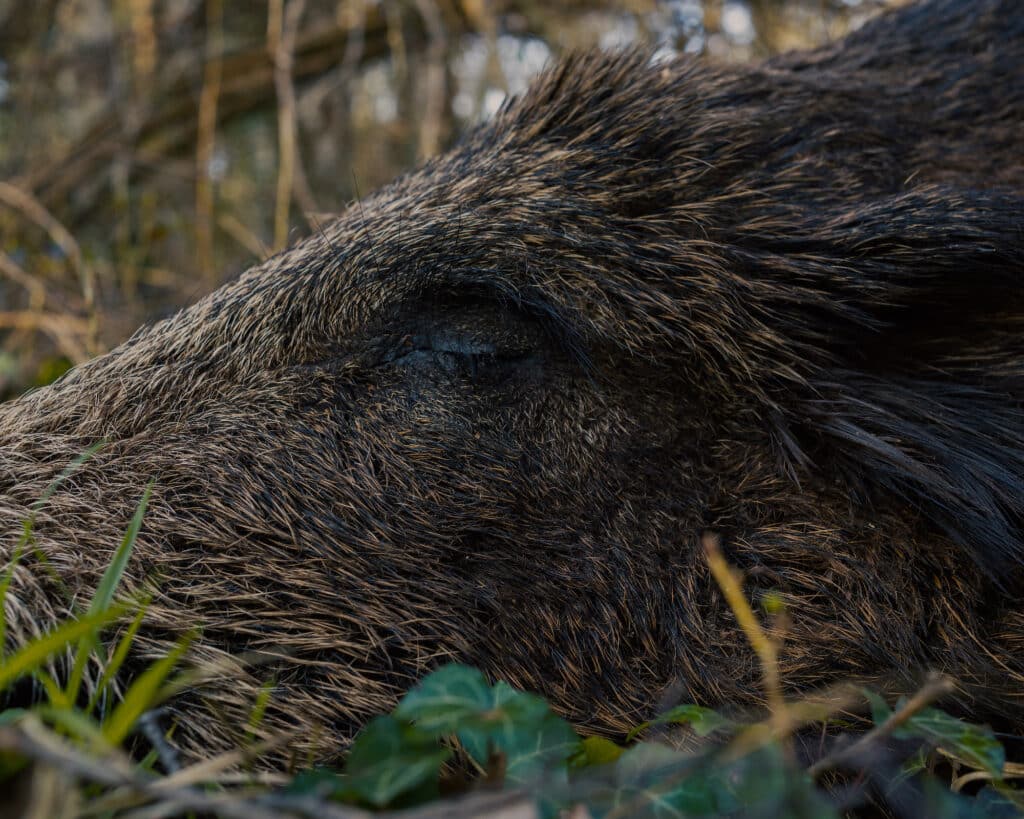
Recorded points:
(455, 357)
(471, 364)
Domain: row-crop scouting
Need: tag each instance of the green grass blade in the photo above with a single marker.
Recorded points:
(115, 571)
(105, 592)
(120, 654)
(66, 473)
(5, 584)
(54, 693)
(143, 694)
(26, 536)
(74, 723)
(259, 709)
(32, 656)
(29, 523)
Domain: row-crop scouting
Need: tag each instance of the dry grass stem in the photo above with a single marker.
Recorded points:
(936, 687)
(64, 330)
(31, 739)
(814, 709)
(432, 127)
(247, 238)
(13, 271)
(206, 138)
(32, 209)
(767, 649)
(282, 27)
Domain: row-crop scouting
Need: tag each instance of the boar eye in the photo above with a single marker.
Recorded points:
(461, 356)
(458, 354)
(469, 339)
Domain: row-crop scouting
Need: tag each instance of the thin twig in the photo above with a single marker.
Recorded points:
(766, 649)
(204, 772)
(64, 330)
(143, 43)
(149, 727)
(974, 776)
(154, 797)
(13, 271)
(247, 238)
(397, 44)
(170, 124)
(935, 687)
(1011, 770)
(282, 26)
(206, 131)
(30, 738)
(207, 769)
(434, 108)
(817, 708)
(33, 210)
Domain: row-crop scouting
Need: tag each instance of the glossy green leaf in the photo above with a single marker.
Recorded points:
(652, 780)
(703, 721)
(974, 745)
(389, 758)
(443, 699)
(456, 700)
(596, 751)
(999, 802)
(321, 784)
(880, 710)
(9, 716)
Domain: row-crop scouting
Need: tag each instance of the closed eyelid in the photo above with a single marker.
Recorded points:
(462, 344)
(441, 318)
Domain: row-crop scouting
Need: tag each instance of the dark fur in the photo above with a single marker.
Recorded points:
(781, 302)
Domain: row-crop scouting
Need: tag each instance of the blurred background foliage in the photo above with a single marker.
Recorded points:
(150, 149)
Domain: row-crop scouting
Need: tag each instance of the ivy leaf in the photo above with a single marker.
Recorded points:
(390, 758)
(974, 745)
(530, 749)
(9, 716)
(321, 784)
(652, 780)
(445, 698)
(938, 802)
(880, 710)
(703, 721)
(596, 751)
(456, 700)
(767, 783)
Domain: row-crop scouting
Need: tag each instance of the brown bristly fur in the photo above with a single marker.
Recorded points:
(487, 413)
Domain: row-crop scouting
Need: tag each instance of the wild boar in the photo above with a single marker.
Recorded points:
(487, 413)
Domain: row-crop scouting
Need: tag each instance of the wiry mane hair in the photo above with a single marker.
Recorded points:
(857, 263)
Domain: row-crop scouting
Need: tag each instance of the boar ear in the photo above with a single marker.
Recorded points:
(953, 452)
(927, 402)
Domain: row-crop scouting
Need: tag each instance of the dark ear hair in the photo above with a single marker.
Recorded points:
(953, 451)
(927, 404)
